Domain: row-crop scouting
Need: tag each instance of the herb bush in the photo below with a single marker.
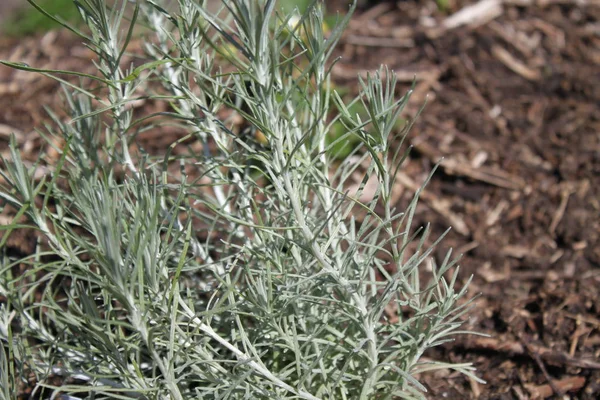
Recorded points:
(238, 271)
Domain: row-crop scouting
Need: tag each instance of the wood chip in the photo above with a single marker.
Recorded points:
(560, 211)
(525, 44)
(488, 175)
(516, 251)
(490, 275)
(571, 383)
(474, 15)
(494, 215)
(515, 65)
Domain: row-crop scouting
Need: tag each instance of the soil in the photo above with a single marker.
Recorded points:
(8, 6)
(513, 113)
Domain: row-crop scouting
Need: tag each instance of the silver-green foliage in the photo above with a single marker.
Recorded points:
(248, 277)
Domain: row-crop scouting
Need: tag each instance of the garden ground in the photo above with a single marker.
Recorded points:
(513, 95)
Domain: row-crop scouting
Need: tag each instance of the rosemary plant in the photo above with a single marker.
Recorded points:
(234, 265)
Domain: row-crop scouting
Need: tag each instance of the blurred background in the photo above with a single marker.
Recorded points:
(512, 93)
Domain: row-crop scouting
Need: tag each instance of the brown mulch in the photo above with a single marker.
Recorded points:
(513, 107)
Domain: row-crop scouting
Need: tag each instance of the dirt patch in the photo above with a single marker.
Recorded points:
(513, 110)
(512, 107)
